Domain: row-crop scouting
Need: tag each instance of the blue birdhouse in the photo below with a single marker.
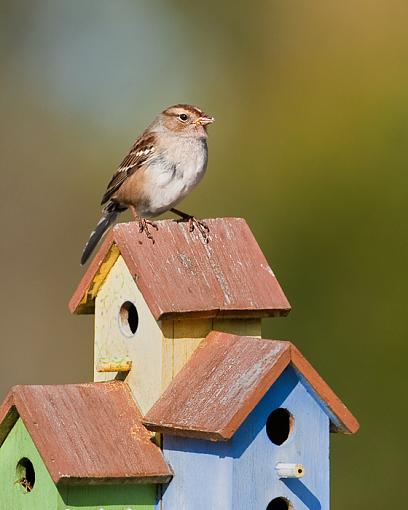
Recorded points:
(246, 424)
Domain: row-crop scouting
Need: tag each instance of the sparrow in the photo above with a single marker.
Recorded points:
(162, 166)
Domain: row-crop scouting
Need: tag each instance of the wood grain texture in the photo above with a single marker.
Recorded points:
(143, 349)
(88, 433)
(158, 350)
(242, 327)
(83, 299)
(212, 395)
(187, 336)
(181, 337)
(182, 276)
(240, 473)
(167, 327)
(225, 379)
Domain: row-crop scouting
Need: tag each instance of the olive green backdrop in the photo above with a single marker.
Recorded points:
(310, 145)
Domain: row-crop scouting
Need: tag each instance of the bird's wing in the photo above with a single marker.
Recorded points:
(139, 153)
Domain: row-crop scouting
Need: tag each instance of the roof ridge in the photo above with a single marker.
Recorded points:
(230, 274)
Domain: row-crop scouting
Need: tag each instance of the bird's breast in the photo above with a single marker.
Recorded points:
(172, 174)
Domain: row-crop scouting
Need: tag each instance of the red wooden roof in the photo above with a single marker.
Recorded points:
(225, 379)
(86, 432)
(180, 275)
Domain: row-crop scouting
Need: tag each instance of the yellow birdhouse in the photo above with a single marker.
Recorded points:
(154, 304)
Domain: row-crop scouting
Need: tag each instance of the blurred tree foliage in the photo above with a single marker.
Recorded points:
(310, 146)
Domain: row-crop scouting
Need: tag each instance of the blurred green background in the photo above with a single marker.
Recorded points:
(310, 146)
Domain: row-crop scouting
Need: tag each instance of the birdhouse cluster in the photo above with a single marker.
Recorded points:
(190, 408)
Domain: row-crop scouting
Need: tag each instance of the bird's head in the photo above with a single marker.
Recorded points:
(184, 119)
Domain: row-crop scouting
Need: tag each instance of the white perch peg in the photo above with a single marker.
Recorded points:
(287, 470)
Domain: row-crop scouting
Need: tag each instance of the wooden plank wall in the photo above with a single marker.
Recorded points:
(144, 348)
(182, 337)
(240, 474)
(159, 349)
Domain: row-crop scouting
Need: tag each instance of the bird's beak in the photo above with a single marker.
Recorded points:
(204, 120)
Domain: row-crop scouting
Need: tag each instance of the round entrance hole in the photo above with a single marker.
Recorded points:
(128, 318)
(279, 425)
(25, 474)
(279, 504)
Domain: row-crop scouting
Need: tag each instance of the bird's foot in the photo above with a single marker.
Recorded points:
(194, 223)
(144, 227)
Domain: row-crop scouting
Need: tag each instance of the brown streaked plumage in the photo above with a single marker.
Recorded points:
(138, 154)
(132, 188)
(163, 165)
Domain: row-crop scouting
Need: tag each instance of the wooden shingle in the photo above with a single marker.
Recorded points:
(181, 276)
(226, 378)
(86, 432)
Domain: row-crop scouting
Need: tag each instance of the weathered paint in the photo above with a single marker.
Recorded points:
(47, 496)
(144, 348)
(180, 276)
(240, 473)
(180, 340)
(181, 337)
(86, 433)
(103, 271)
(225, 379)
(159, 349)
(114, 365)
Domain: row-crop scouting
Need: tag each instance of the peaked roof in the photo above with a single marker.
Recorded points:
(180, 275)
(225, 379)
(86, 432)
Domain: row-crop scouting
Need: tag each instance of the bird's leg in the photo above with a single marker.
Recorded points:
(144, 227)
(143, 223)
(193, 223)
(134, 212)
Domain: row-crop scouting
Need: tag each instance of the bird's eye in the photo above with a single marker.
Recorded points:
(183, 117)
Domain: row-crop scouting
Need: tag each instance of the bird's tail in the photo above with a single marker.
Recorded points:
(109, 217)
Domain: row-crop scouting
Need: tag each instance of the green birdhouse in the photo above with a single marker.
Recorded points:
(77, 446)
